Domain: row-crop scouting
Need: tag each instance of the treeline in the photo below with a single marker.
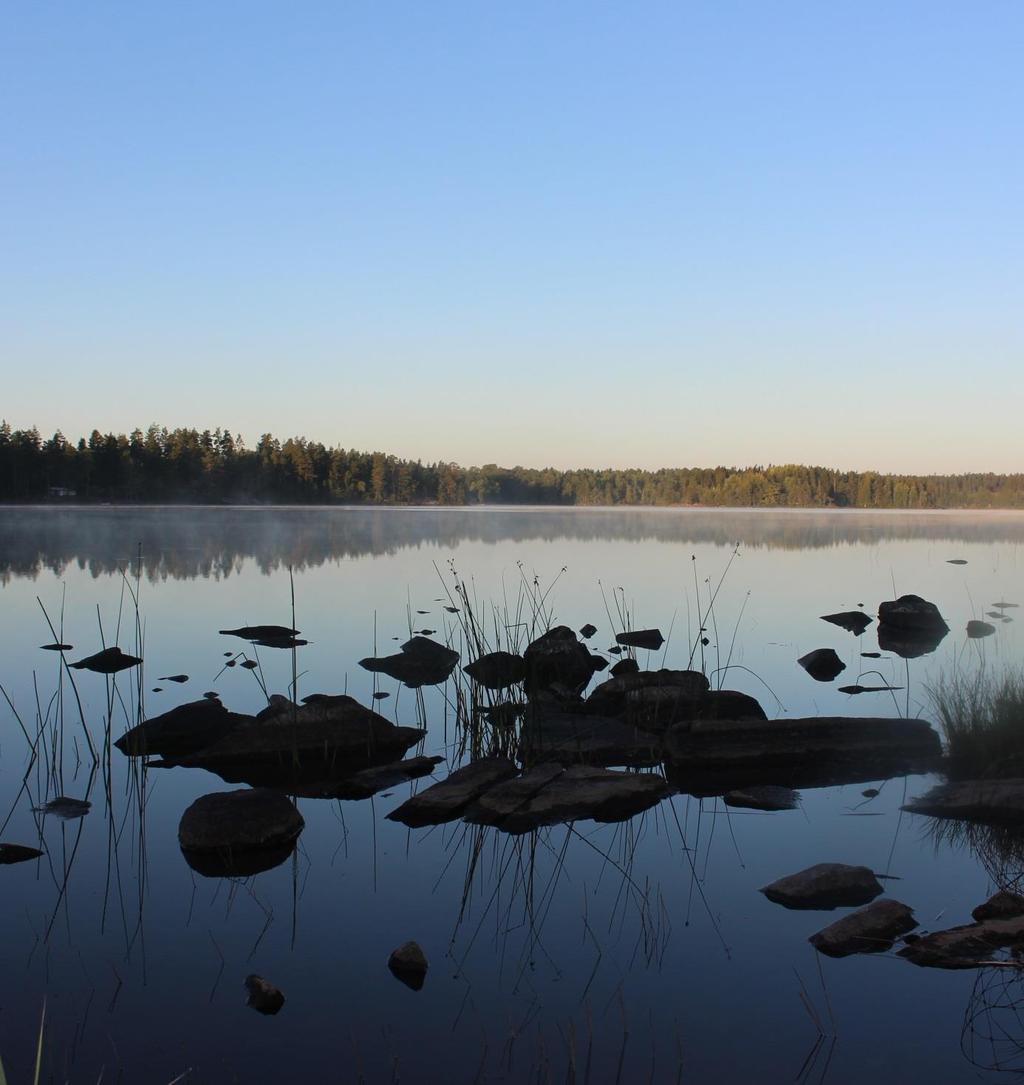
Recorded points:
(186, 465)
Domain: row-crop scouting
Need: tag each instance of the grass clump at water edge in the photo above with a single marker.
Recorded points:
(982, 715)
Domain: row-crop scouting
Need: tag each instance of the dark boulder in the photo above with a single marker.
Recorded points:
(609, 698)
(17, 853)
(421, 662)
(408, 963)
(823, 664)
(976, 629)
(656, 708)
(587, 631)
(261, 632)
(109, 661)
(263, 997)
(870, 930)
(853, 621)
(505, 798)
(1002, 905)
(969, 946)
(571, 738)
(183, 730)
(625, 666)
(911, 612)
(651, 639)
(557, 661)
(825, 886)
(447, 799)
(497, 670)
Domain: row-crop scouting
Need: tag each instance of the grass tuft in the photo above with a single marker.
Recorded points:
(982, 715)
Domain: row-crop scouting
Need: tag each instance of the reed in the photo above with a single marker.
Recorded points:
(982, 715)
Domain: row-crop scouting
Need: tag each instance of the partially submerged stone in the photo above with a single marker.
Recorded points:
(649, 639)
(17, 853)
(609, 698)
(505, 798)
(447, 799)
(969, 946)
(421, 662)
(66, 808)
(973, 800)
(409, 964)
(582, 792)
(183, 730)
(657, 708)
(109, 661)
(825, 886)
(762, 797)
(1001, 905)
(261, 632)
(574, 738)
(252, 818)
(264, 997)
(557, 660)
(497, 670)
(625, 666)
(910, 626)
(823, 664)
(978, 629)
(853, 621)
(869, 930)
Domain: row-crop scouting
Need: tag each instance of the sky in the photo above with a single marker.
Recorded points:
(541, 233)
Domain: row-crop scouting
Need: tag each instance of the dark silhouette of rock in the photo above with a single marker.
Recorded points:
(283, 731)
(870, 930)
(854, 690)
(183, 730)
(825, 886)
(609, 698)
(909, 643)
(976, 629)
(280, 642)
(657, 708)
(409, 964)
(823, 664)
(109, 661)
(599, 663)
(625, 666)
(872, 655)
(174, 678)
(968, 946)
(506, 713)
(446, 800)
(212, 695)
(871, 793)
(56, 647)
(570, 738)
(587, 631)
(497, 670)
(261, 632)
(264, 997)
(249, 820)
(956, 561)
(650, 639)
(249, 664)
(763, 797)
(505, 798)
(911, 612)
(556, 660)
(853, 621)
(421, 662)
(381, 695)
(1001, 905)
(17, 853)
(65, 808)
(974, 800)
(615, 650)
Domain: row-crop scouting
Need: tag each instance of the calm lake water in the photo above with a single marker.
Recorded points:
(633, 952)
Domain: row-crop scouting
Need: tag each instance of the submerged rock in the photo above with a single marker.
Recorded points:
(825, 886)
(183, 730)
(976, 629)
(870, 930)
(1002, 905)
(969, 946)
(447, 799)
(973, 800)
(264, 997)
(762, 797)
(557, 661)
(65, 808)
(261, 632)
(421, 662)
(823, 664)
(367, 782)
(650, 639)
(853, 621)
(17, 853)
(409, 964)
(109, 661)
(497, 670)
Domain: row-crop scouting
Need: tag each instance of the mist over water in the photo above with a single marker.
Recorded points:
(630, 948)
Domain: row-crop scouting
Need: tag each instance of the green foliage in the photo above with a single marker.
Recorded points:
(188, 465)
(983, 718)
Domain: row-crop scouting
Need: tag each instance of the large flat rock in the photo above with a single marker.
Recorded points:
(973, 800)
(869, 930)
(574, 738)
(449, 798)
(825, 886)
(969, 946)
(504, 799)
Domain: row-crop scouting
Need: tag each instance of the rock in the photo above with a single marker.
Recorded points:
(557, 659)
(367, 782)
(609, 698)
(911, 612)
(870, 930)
(249, 664)
(956, 561)
(179, 678)
(446, 800)
(853, 621)
(65, 808)
(408, 963)
(823, 664)
(17, 853)
(763, 797)
(505, 798)
(969, 946)
(973, 800)
(183, 730)
(843, 742)
(280, 642)
(261, 632)
(909, 643)
(976, 629)
(871, 793)
(263, 996)
(497, 670)
(381, 695)
(421, 662)
(599, 663)
(574, 738)
(872, 655)
(625, 666)
(854, 690)
(587, 631)
(651, 639)
(252, 818)
(660, 707)
(337, 726)
(109, 661)
(56, 647)
(825, 886)
(506, 713)
(582, 792)
(1002, 905)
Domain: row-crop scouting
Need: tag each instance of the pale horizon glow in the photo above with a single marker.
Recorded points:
(651, 235)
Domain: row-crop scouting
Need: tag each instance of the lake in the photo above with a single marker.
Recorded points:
(633, 951)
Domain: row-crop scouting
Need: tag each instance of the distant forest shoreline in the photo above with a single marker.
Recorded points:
(181, 466)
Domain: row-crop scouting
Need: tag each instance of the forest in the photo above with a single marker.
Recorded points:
(184, 465)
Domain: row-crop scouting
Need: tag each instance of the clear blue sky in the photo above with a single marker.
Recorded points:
(542, 233)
